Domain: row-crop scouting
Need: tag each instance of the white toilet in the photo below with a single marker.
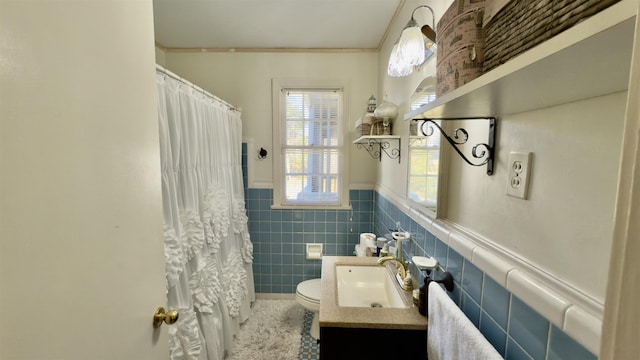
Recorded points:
(308, 295)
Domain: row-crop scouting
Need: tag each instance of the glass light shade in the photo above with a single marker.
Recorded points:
(396, 67)
(411, 46)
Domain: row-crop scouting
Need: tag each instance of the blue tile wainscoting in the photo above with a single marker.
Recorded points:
(279, 237)
(511, 326)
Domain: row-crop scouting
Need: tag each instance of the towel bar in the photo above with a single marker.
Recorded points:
(447, 281)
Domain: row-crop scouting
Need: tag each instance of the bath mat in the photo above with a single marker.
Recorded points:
(272, 332)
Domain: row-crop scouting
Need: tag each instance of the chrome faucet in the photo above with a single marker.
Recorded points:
(404, 281)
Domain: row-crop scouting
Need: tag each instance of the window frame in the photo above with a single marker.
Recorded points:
(427, 149)
(439, 210)
(278, 107)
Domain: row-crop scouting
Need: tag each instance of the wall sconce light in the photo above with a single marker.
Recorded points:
(411, 49)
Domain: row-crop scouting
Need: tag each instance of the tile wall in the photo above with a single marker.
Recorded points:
(279, 237)
(511, 326)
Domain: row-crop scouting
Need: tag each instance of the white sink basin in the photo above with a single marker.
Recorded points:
(367, 286)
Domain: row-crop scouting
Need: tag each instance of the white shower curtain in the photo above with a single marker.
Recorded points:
(207, 246)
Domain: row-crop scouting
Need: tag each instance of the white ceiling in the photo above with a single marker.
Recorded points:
(269, 24)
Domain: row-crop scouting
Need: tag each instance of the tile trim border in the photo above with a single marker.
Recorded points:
(573, 311)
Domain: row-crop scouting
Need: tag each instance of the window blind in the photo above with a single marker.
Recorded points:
(424, 161)
(311, 146)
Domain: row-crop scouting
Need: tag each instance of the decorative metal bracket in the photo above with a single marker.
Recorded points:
(377, 146)
(485, 152)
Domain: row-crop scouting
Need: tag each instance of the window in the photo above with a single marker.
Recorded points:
(309, 128)
(424, 163)
(423, 99)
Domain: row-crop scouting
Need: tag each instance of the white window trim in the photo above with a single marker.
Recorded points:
(443, 176)
(277, 85)
(420, 207)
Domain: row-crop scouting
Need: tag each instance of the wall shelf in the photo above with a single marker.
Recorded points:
(376, 145)
(590, 59)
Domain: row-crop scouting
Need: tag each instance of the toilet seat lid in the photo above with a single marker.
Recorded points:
(310, 289)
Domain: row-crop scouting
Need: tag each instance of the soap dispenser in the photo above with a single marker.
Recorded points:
(423, 298)
(407, 282)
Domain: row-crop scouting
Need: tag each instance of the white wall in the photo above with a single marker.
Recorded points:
(160, 57)
(565, 228)
(399, 90)
(622, 317)
(566, 225)
(244, 79)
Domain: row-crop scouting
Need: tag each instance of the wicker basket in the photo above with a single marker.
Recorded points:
(363, 130)
(521, 25)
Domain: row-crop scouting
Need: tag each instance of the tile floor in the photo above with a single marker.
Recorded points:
(309, 348)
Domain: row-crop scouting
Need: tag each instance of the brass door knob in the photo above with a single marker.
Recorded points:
(169, 317)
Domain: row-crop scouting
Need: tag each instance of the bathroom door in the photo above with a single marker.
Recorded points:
(81, 248)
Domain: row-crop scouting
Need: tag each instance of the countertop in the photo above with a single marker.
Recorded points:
(332, 315)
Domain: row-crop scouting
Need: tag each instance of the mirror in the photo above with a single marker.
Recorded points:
(424, 169)
(424, 160)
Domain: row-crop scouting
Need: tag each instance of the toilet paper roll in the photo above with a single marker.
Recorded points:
(360, 251)
(363, 251)
(314, 251)
(368, 240)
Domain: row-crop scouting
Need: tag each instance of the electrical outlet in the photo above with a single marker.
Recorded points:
(518, 174)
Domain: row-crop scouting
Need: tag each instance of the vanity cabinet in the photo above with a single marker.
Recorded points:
(384, 333)
(338, 343)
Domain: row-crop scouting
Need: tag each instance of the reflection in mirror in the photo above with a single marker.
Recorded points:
(425, 93)
(424, 153)
(424, 169)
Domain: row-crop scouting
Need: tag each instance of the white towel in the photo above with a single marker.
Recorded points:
(451, 336)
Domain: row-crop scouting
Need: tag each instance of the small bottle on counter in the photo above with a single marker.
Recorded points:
(423, 298)
(385, 250)
(392, 248)
(379, 245)
(408, 281)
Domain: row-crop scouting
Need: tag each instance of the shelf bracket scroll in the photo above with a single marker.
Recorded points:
(376, 147)
(482, 153)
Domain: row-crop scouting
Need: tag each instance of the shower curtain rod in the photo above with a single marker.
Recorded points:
(196, 87)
